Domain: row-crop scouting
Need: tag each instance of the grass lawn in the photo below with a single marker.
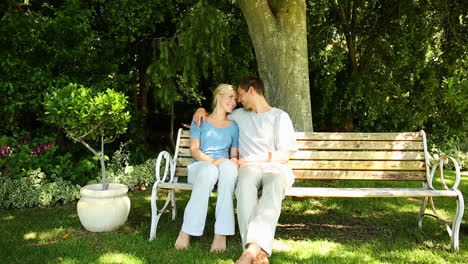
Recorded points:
(334, 230)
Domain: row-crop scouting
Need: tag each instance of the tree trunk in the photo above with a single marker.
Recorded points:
(279, 36)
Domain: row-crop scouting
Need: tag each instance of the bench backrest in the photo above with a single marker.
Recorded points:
(346, 156)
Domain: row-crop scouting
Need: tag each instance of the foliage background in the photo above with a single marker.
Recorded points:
(374, 66)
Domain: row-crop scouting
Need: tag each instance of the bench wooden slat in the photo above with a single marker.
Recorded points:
(177, 186)
(343, 155)
(181, 171)
(407, 136)
(367, 192)
(360, 175)
(357, 155)
(184, 152)
(361, 145)
(348, 136)
(356, 165)
(184, 142)
(348, 145)
(185, 134)
(346, 175)
(341, 164)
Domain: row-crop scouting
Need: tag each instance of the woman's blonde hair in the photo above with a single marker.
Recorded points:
(220, 90)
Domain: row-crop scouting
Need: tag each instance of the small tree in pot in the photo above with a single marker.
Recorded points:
(84, 116)
(88, 116)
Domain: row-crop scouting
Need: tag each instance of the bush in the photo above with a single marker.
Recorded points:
(452, 147)
(34, 190)
(120, 171)
(22, 153)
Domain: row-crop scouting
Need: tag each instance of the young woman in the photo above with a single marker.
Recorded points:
(214, 148)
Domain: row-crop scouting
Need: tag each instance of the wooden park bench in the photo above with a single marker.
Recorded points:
(338, 156)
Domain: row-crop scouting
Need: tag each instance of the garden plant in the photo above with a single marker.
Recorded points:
(83, 114)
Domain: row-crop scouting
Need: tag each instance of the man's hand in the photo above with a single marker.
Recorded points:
(241, 162)
(199, 115)
(236, 161)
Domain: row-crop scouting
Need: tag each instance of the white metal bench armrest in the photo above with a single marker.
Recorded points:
(440, 164)
(169, 167)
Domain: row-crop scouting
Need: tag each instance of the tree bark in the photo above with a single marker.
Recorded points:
(278, 31)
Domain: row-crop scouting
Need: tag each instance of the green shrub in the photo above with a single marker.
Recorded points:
(452, 147)
(35, 190)
(119, 170)
(22, 153)
(132, 176)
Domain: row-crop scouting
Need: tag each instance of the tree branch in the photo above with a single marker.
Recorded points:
(379, 34)
(94, 128)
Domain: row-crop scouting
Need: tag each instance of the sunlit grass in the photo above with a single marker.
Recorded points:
(113, 258)
(325, 230)
(8, 218)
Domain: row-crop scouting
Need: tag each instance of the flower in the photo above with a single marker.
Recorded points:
(25, 141)
(7, 171)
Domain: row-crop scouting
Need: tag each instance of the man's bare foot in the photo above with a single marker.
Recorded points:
(261, 258)
(219, 244)
(250, 254)
(182, 241)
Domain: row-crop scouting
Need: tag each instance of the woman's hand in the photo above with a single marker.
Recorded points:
(218, 161)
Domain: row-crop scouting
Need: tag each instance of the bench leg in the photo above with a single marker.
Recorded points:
(173, 204)
(421, 212)
(155, 213)
(457, 221)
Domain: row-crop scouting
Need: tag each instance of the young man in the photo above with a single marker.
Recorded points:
(266, 139)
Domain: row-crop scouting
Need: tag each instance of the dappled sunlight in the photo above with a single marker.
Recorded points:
(68, 261)
(303, 249)
(8, 218)
(325, 247)
(29, 236)
(417, 255)
(414, 206)
(314, 212)
(411, 207)
(119, 258)
(47, 237)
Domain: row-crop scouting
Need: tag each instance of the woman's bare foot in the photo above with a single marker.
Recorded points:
(219, 244)
(183, 240)
(250, 254)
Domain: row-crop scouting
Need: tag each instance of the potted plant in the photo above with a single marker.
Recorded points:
(88, 116)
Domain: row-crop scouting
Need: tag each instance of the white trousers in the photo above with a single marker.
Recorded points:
(257, 218)
(204, 175)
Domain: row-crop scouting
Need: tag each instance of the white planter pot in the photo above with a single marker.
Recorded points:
(103, 211)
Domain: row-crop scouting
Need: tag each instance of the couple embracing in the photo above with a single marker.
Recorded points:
(249, 146)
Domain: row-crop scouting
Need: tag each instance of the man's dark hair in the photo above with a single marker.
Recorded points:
(252, 81)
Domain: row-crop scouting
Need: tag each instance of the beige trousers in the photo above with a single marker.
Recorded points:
(257, 218)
